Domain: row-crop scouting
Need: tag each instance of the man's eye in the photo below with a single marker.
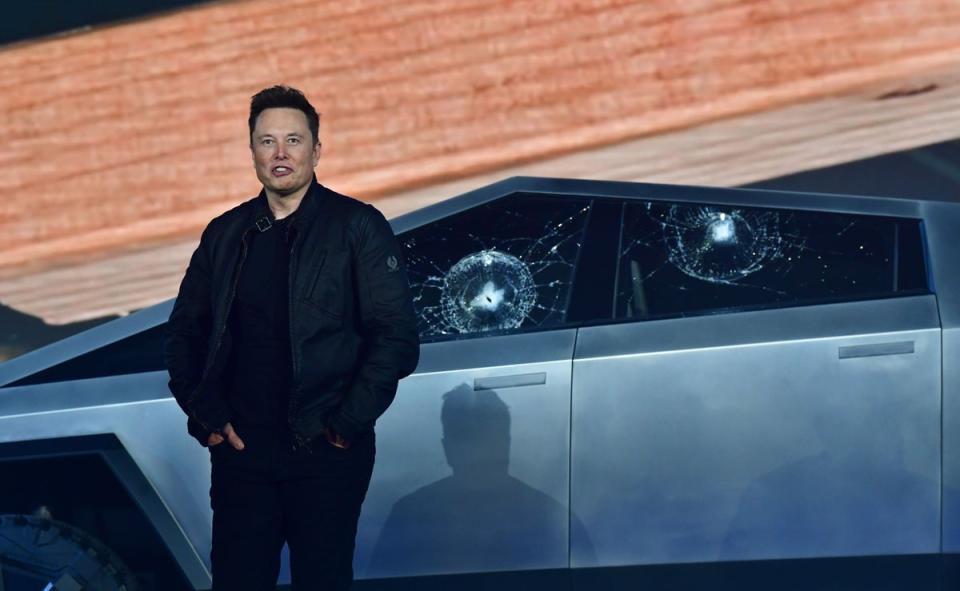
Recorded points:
(294, 140)
(266, 142)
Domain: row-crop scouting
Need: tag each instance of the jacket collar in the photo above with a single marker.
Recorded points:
(261, 216)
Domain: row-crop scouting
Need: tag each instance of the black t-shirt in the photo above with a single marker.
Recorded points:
(260, 371)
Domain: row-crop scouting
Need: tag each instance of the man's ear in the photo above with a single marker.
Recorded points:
(316, 153)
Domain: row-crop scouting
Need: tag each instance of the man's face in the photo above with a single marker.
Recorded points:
(284, 153)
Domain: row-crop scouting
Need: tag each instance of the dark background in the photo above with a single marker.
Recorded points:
(31, 19)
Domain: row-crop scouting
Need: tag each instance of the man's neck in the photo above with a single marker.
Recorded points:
(284, 205)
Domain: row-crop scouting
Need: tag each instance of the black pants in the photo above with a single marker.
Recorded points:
(269, 494)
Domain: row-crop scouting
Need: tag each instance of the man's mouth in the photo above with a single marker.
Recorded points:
(281, 170)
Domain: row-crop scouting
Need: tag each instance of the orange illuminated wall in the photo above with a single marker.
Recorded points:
(136, 134)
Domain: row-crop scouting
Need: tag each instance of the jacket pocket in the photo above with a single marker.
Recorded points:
(313, 269)
(311, 417)
(327, 286)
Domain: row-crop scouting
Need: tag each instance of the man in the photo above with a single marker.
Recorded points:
(293, 324)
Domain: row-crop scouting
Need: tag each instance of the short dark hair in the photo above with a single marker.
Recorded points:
(283, 97)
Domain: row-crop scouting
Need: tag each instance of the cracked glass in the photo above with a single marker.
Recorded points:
(676, 259)
(502, 266)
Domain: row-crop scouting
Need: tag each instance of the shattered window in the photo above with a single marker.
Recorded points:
(501, 266)
(678, 259)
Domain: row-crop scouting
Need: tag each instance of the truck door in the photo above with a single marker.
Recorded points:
(768, 386)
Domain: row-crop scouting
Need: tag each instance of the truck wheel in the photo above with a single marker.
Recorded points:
(60, 555)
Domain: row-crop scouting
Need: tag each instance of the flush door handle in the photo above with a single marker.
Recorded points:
(511, 381)
(876, 349)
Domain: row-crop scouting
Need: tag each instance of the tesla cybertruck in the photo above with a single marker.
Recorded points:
(615, 377)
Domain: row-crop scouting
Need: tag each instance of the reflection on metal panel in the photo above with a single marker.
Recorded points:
(763, 326)
(725, 452)
(951, 440)
(941, 223)
(471, 480)
(494, 351)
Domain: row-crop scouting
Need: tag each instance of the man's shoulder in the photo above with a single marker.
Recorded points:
(359, 217)
(348, 205)
(235, 214)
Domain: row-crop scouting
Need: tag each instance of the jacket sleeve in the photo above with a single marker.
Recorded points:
(185, 346)
(391, 347)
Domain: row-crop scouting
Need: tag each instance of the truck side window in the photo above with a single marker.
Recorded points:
(681, 259)
(499, 267)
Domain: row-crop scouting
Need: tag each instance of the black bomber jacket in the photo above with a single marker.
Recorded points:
(353, 330)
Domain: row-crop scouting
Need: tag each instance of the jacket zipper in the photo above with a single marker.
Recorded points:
(298, 439)
(223, 325)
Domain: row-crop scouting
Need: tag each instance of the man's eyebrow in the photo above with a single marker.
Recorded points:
(270, 135)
